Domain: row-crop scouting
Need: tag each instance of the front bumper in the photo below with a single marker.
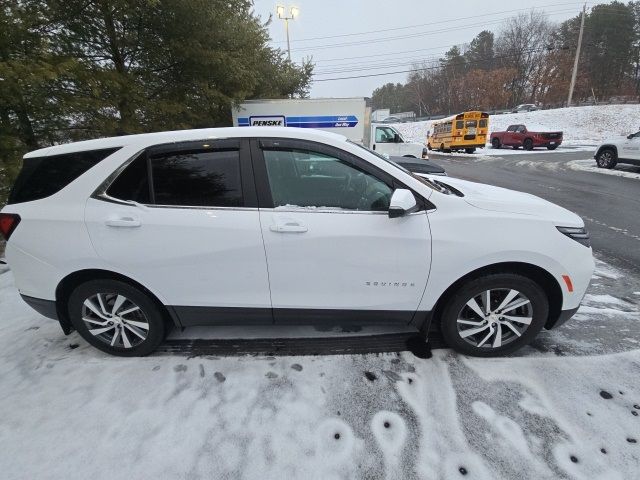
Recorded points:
(550, 143)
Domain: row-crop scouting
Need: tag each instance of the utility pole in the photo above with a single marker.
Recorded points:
(575, 62)
(293, 12)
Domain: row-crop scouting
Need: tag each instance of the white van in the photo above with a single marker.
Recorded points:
(350, 117)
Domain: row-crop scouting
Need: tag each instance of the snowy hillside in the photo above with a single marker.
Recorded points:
(581, 125)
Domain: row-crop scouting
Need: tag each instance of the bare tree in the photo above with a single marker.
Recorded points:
(522, 45)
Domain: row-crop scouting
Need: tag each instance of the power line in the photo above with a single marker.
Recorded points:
(432, 67)
(431, 23)
(413, 35)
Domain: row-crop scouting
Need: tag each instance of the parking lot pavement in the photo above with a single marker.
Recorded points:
(609, 204)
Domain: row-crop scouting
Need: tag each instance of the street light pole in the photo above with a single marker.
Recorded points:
(293, 12)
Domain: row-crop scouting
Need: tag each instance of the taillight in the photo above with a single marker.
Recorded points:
(8, 223)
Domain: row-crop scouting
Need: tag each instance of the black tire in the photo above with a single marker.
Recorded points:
(495, 143)
(503, 282)
(149, 312)
(469, 150)
(607, 158)
(551, 147)
(527, 144)
(441, 147)
(429, 146)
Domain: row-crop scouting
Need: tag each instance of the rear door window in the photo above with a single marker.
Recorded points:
(132, 183)
(205, 179)
(42, 177)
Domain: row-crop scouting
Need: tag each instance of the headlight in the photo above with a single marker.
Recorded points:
(580, 235)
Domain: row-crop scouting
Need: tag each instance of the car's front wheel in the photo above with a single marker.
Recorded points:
(116, 317)
(607, 158)
(528, 144)
(495, 143)
(494, 315)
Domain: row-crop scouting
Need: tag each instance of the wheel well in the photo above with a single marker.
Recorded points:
(71, 281)
(544, 279)
(607, 147)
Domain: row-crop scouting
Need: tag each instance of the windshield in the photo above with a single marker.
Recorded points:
(423, 180)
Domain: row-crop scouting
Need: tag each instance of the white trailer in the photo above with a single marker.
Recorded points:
(350, 117)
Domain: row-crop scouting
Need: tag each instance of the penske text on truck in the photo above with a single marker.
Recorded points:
(350, 117)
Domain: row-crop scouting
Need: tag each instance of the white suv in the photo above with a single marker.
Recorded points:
(619, 150)
(122, 238)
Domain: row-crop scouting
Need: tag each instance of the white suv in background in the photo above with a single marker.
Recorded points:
(122, 238)
(619, 150)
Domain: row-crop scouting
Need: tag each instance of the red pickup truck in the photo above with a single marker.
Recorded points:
(518, 136)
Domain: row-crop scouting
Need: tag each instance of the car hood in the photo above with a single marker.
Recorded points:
(497, 199)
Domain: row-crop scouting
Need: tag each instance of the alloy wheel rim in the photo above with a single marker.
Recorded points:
(605, 158)
(115, 320)
(494, 318)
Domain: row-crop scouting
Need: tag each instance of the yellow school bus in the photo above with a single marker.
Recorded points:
(465, 131)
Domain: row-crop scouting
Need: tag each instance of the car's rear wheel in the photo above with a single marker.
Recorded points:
(528, 144)
(117, 318)
(494, 315)
(607, 158)
(495, 143)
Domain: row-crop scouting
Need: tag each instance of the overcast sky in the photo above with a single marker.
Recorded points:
(427, 29)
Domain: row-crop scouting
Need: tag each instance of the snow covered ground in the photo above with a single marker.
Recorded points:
(582, 126)
(69, 411)
(621, 170)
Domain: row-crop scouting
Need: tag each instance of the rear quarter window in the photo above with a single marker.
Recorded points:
(41, 177)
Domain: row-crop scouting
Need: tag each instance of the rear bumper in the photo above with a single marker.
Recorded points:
(46, 308)
(561, 319)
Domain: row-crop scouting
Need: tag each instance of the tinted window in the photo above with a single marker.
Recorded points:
(209, 179)
(310, 179)
(512, 128)
(41, 177)
(482, 123)
(132, 183)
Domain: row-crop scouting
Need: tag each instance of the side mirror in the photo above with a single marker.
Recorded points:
(402, 203)
(396, 138)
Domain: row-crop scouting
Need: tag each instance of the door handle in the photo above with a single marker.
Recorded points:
(123, 222)
(290, 226)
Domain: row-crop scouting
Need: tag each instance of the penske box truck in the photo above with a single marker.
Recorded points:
(350, 117)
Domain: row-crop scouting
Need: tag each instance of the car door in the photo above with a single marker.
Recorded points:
(333, 253)
(508, 135)
(193, 236)
(631, 147)
(384, 141)
(518, 135)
